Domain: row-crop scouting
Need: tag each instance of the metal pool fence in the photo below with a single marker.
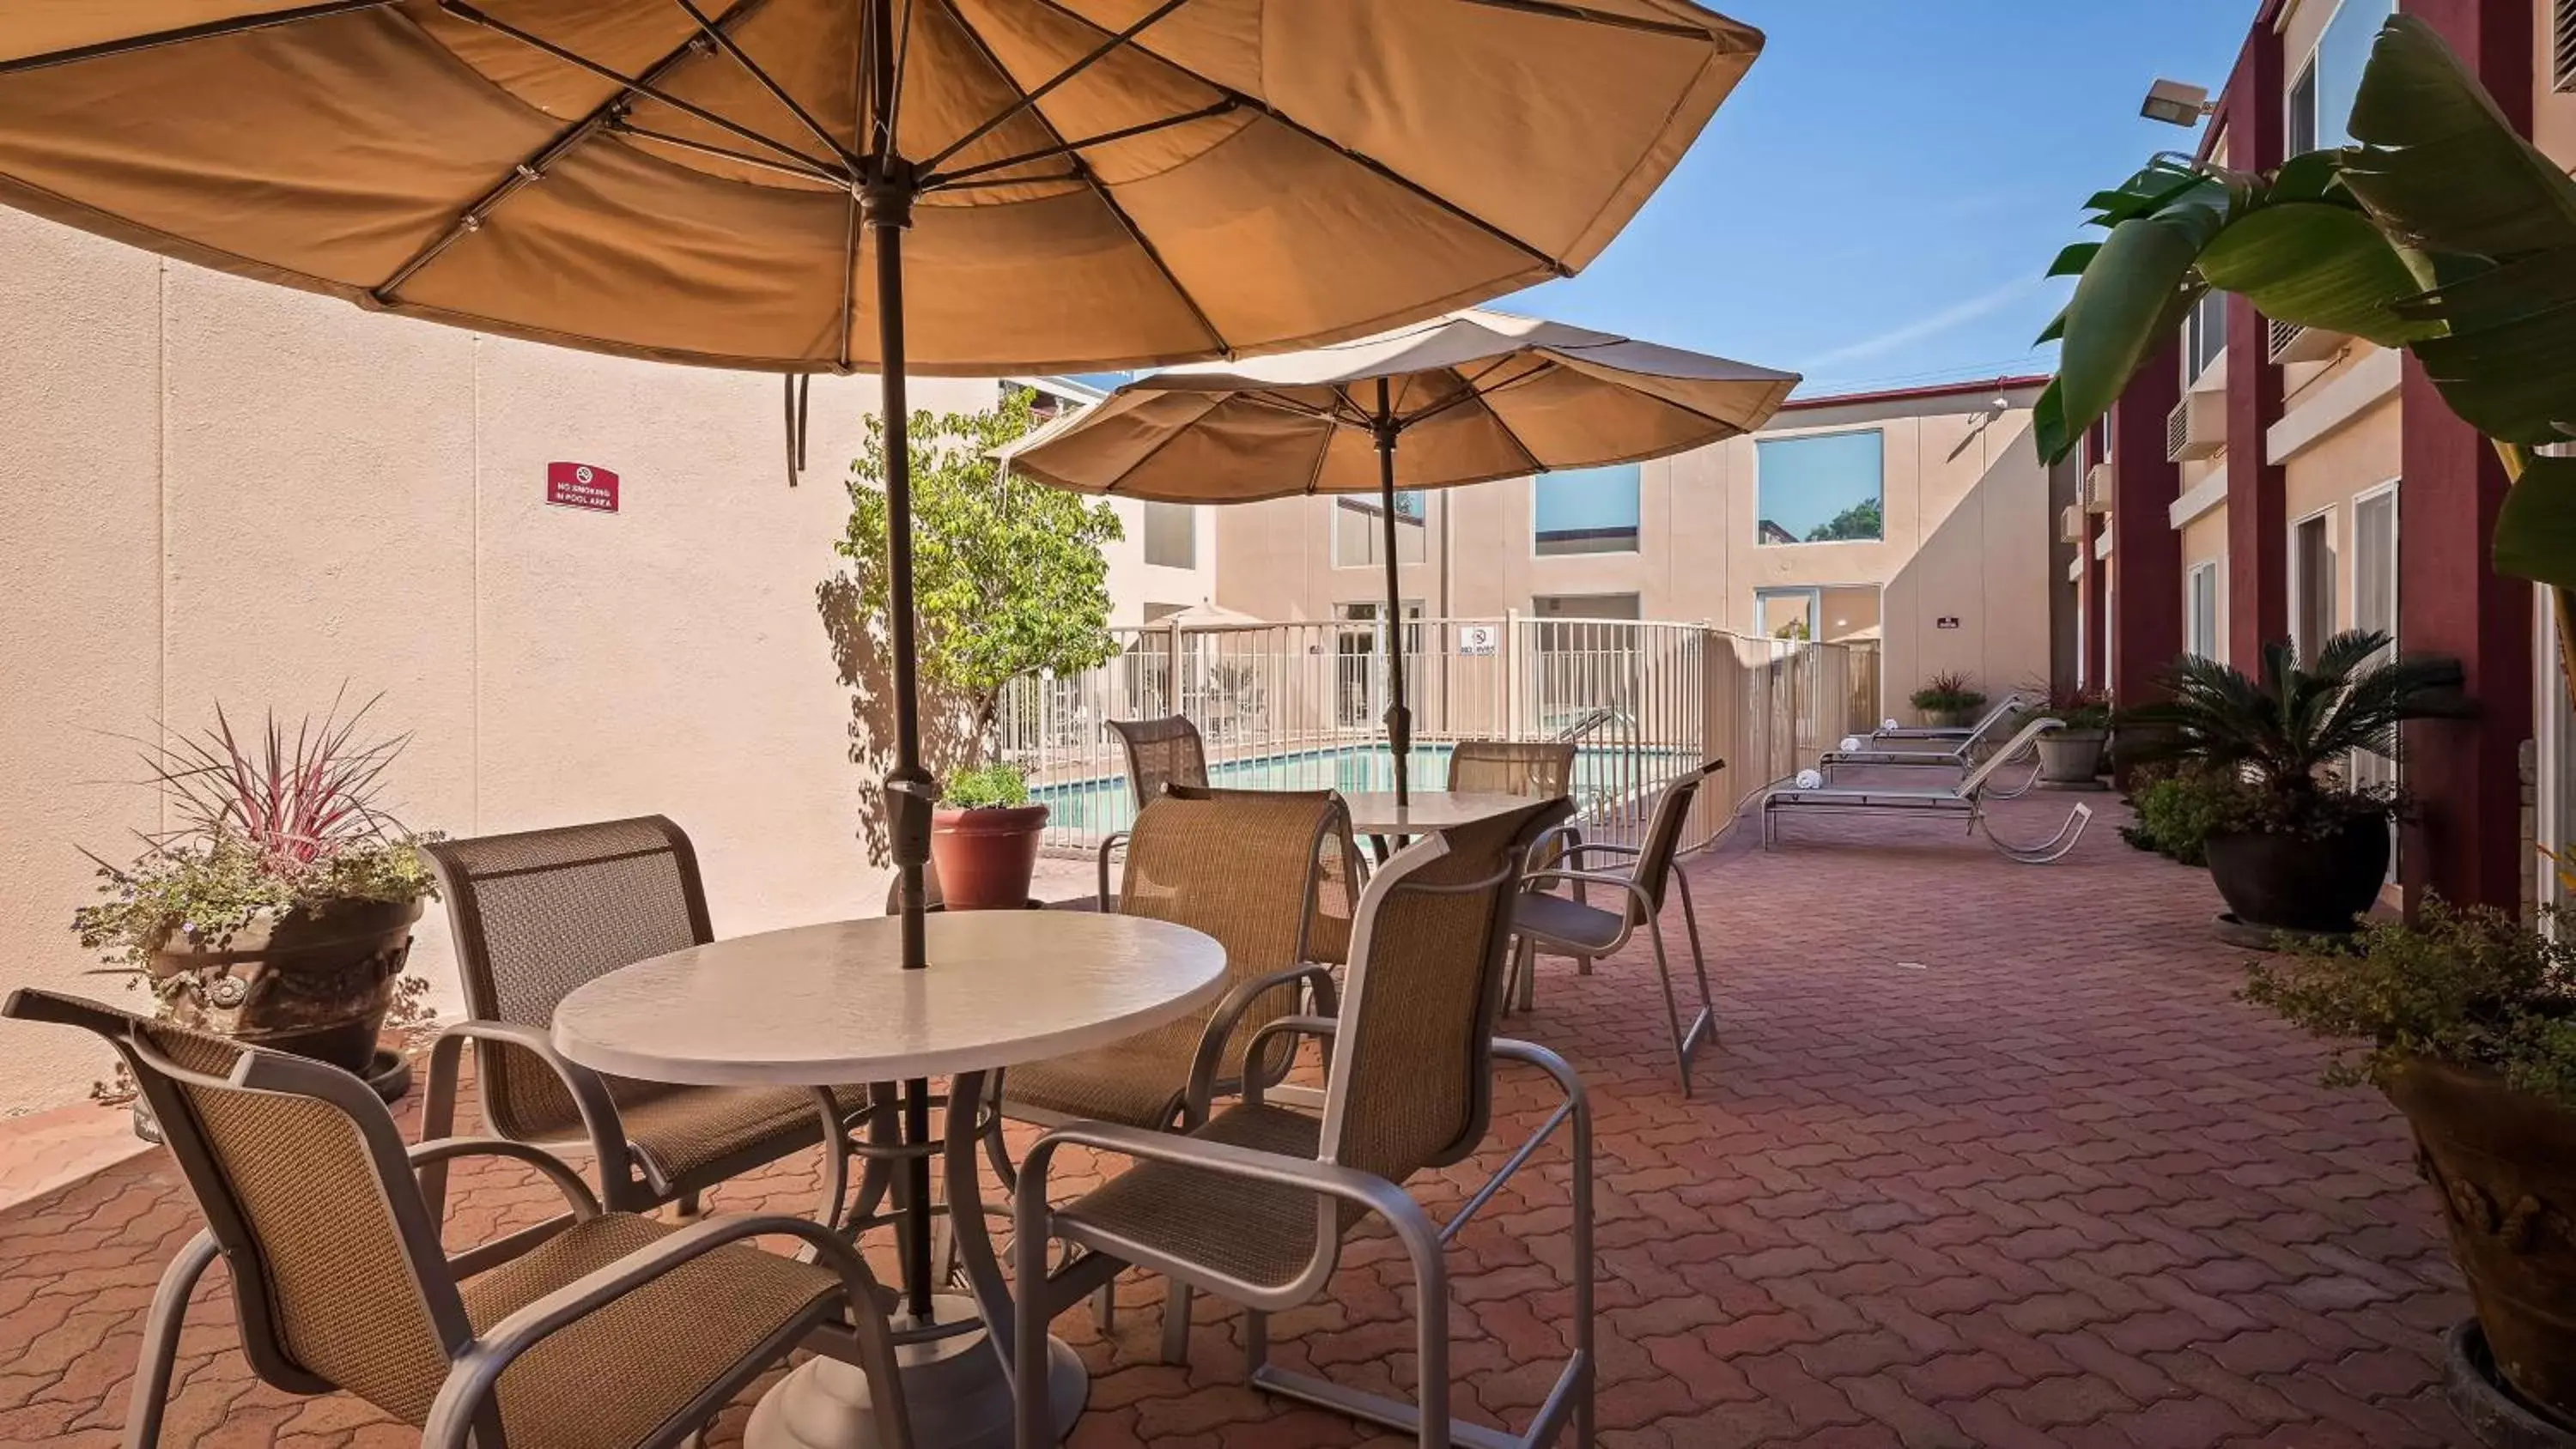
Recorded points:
(1298, 707)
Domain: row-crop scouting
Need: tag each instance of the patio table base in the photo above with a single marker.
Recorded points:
(953, 1387)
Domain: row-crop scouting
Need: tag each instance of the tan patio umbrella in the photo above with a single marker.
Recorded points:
(973, 187)
(1473, 396)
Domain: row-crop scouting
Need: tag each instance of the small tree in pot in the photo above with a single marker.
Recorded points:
(1008, 582)
(2293, 845)
(2467, 1020)
(1947, 699)
(279, 909)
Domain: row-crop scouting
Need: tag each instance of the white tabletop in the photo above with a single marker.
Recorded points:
(825, 1005)
(1374, 812)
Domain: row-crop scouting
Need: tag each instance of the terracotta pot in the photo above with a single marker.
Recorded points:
(2504, 1163)
(2291, 883)
(985, 857)
(2071, 757)
(316, 983)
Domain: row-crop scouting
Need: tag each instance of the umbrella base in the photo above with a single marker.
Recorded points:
(953, 1387)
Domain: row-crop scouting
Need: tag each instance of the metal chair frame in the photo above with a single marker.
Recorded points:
(2016, 700)
(1961, 757)
(1964, 801)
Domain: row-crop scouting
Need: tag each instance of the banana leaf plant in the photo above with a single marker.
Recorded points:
(2440, 230)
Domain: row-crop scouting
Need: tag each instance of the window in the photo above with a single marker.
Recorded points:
(2200, 611)
(1820, 489)
(2320, 102)
(1172, 535)
(1785, 614)
(1585, 606)
(1585, 510)
(2102, 438)
(1360, 684)
(2204, 335)
(2562, 45)
(2312, 583)
(1359, 531)
(2374, 599)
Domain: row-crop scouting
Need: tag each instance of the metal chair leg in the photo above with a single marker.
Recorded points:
(1683, 1041)
(161, 1341)
(1699, 958)
(1104, 1306)
(1176, 1323)
(1525, 974)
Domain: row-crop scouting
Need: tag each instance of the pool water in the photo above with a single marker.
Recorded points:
(1101, 804)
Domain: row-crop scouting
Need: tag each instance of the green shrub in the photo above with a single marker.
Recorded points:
(2176, 810)
(1947, 692)
(2466, 988)
(987, 787)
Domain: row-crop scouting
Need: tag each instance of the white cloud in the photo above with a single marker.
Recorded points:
(1957, 314)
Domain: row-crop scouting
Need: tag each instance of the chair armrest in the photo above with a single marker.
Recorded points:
(1326, 1179)
(598, 1110)
(1221, 1023)
(1637, 894)
(1629, 852)
(585, 1205)
(467, 1392)
(1108, 843)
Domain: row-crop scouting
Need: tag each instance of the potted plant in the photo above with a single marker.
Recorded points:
(2073, 755)
(984, 839)
(2292, 844)
(2467, 1020)
(278, 909)
(1948, 699)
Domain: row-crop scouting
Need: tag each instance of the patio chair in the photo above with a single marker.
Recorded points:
(1964, 801)
(540, 912)
(2004, 708)
(1540, 769)
(1238, 865)
(1961, 756)
(1255, 1202)
(1549, 922)
(613, 1331)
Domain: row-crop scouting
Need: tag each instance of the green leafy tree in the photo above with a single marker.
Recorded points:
(1008, 577)
(1862, 520)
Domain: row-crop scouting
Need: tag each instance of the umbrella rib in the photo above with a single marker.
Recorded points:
(1063, 147)
(1586, 15)
(725, 42)
(745, 158)
(471, 218)
(211, 29)
(1090, 178)
(466, 12)
(1029, 99)
(1486, 402)
(1389, 173)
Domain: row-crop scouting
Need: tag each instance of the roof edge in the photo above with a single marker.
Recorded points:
(2008, 383)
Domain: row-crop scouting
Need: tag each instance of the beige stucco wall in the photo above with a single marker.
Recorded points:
(1967, 528)
(217, 490)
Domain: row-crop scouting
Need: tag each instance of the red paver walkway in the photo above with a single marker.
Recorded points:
(1987, 1155)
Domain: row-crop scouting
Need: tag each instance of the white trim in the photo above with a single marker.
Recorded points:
(2075, 570)
(2369, 381)
(2217, 606)
(2211, 492)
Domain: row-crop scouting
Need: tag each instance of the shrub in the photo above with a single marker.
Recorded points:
(1946, 692)
(2465, 988)
(2175, 809)
(987, 787)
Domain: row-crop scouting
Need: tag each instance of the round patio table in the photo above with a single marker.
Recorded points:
(1374, 812)
(819, 1006)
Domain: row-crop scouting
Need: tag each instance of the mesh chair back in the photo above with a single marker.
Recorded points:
(1412, 1066)
(1240, 866)
(1540, 769)
(305, 1185)
(1663, 842)
(1160, 753)
(543, 911)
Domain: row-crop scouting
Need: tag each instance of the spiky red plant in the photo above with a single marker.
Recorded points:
(296, 803)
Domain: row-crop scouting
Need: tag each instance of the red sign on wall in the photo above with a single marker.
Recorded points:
(579, 485)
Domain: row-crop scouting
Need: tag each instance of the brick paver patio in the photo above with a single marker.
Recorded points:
(1986, 1155)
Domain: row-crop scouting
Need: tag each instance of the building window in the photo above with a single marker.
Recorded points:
(1172, 535)
(1585, 510)
(2312, 584)
(2204, 335)
(2374, 601)
(2320, 101)
(1785, 614)
(1822, 489)
(1359, 531)
(2562, 45)
(1359, 692)
(2200, 611)
(1585, 606)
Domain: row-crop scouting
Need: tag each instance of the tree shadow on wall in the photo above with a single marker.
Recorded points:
(865, 660)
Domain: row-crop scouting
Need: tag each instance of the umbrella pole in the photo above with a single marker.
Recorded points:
(1399, 720)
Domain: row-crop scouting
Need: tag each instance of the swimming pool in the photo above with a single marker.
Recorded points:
(1094, 806)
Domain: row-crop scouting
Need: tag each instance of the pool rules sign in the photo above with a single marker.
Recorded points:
(581, 485)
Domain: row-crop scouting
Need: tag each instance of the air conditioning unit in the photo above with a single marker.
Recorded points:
(2291, 342)
(2070, 523)
(2197, 427)
(2097, 488)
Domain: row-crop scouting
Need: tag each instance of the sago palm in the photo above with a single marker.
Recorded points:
(2301, 717)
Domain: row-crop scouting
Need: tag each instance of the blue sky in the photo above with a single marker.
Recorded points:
(1875, 204)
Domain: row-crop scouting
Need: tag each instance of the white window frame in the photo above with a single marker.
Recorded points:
(1815, 596)
(1368, 504)
(1879, 428)
(2290, 544)
(2191, 337)
(2217, 614)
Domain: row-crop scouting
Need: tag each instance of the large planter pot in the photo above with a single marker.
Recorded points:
(986, 857)
(1945, 719)
(316, 983)
(2504, 1163)
(2292, 883)
(2071, 757)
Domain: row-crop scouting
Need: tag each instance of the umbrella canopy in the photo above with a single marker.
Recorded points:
(1465, 398)
(1473, 396)
(1097, 183)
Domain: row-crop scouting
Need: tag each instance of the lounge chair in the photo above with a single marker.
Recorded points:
(2004, 709)
(1965, 800)
(1255, 1203)
(613, 1331)
(1960, 756)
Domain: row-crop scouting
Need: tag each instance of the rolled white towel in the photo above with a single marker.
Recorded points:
(1851, 742)
(1890, 724)
(1810, 780)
